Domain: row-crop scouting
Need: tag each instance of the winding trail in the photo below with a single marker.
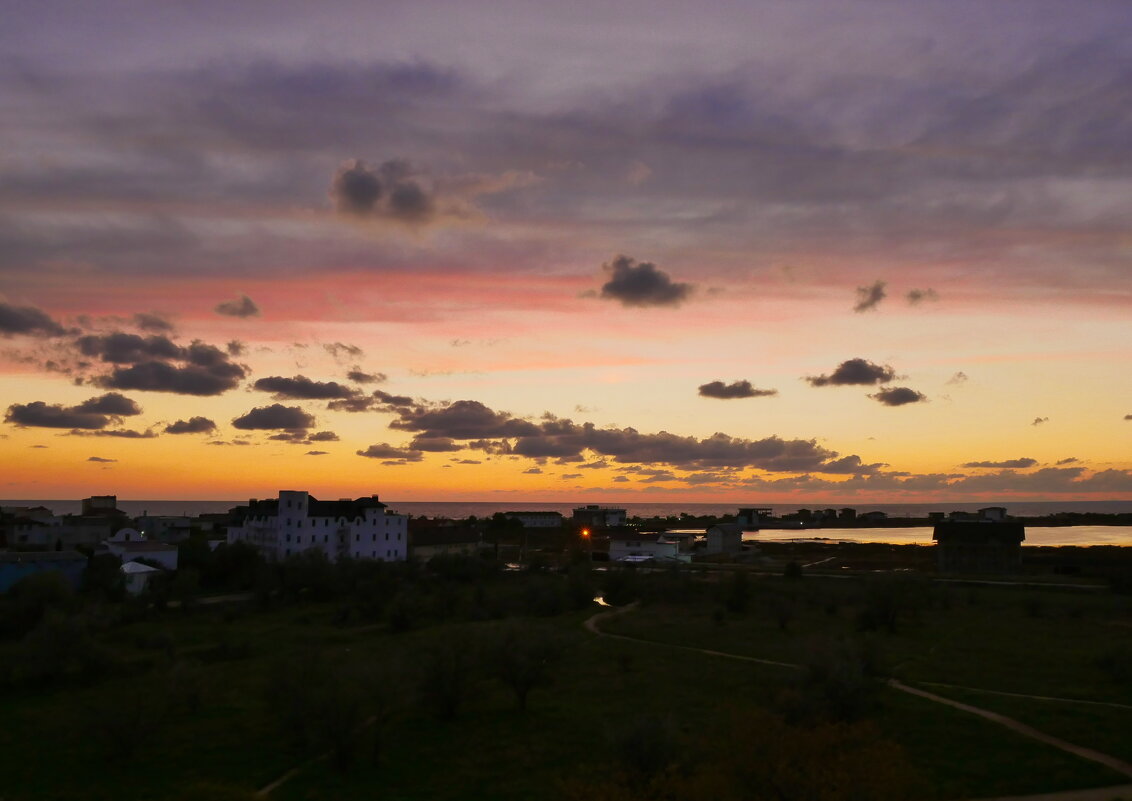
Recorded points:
(1116, 793)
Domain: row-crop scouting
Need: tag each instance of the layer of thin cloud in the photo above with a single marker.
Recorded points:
(1005, 463)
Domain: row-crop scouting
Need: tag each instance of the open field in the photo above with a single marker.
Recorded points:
(218, 701)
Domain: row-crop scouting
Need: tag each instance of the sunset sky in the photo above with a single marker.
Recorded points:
(841, 251)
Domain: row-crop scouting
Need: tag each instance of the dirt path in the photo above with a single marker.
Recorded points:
(1097, 794)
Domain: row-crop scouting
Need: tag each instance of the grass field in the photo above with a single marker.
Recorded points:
(187, 712)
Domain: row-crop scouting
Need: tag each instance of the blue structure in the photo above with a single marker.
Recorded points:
(15, 565)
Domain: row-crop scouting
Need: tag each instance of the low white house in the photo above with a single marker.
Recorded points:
(296, 522)
(138, 576)
(129, 545)
(644, 547)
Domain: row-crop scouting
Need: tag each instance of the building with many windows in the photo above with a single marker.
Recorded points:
(295, 522)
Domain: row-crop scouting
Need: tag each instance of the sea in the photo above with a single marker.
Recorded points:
(1035, 535)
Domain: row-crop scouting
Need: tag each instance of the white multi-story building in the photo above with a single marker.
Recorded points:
(296, 522)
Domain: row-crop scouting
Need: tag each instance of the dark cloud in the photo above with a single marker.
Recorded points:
(391, 453)
(533, 471)
(1037, 421)
(90, 415)
(918, 296)
(302, 388)
(379, 401)
(194, 425)
(341, 351)
(315, 453)
(855, 372)
(898, 396)
(203, 369)
(123, 348)
(736, 389)
(1067, 460)
(163, 377)
(242, 306)
(392, 190)
(463, 419)
(275, 416)
(959, 378)
(359, 377)
(323, 436)
(482, 428)
(27, 321)
(236, 348)
(153, 322)
(869, 297)
(434, 444)
(100, 459)
(642, 284)
(111, 403)
(124, 433)
(1022, 463)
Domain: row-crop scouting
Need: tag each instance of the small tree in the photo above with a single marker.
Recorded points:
(446, 671)
(524, 659)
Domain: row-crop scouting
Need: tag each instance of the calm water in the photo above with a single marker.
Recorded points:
(922, 535)
(1035, 535)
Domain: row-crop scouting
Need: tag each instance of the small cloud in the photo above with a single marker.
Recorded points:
(1039, 420)
(534, 471)
(358, 377)
(27, 321)
(275, 416)
(917, 296)
(242, 306)
(959, 378)
(736, 389)
(100, 459)
(1012, 464)
(392, 190)
(153, 322)
(342, 352)
(570, 476)
(315, 453)
(1128, 417)
(869, 297)
(391, 453)
(854, 372)
(620, 480)
(1067, 460)
(236, 348)
(898, 396)
(641, 284)
(302, 388)
(194, 425)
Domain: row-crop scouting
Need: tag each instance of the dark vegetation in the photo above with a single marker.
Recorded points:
(463, 679)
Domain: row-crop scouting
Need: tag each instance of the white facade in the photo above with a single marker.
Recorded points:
(644, 547)
(129, 545)
(296, 522)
